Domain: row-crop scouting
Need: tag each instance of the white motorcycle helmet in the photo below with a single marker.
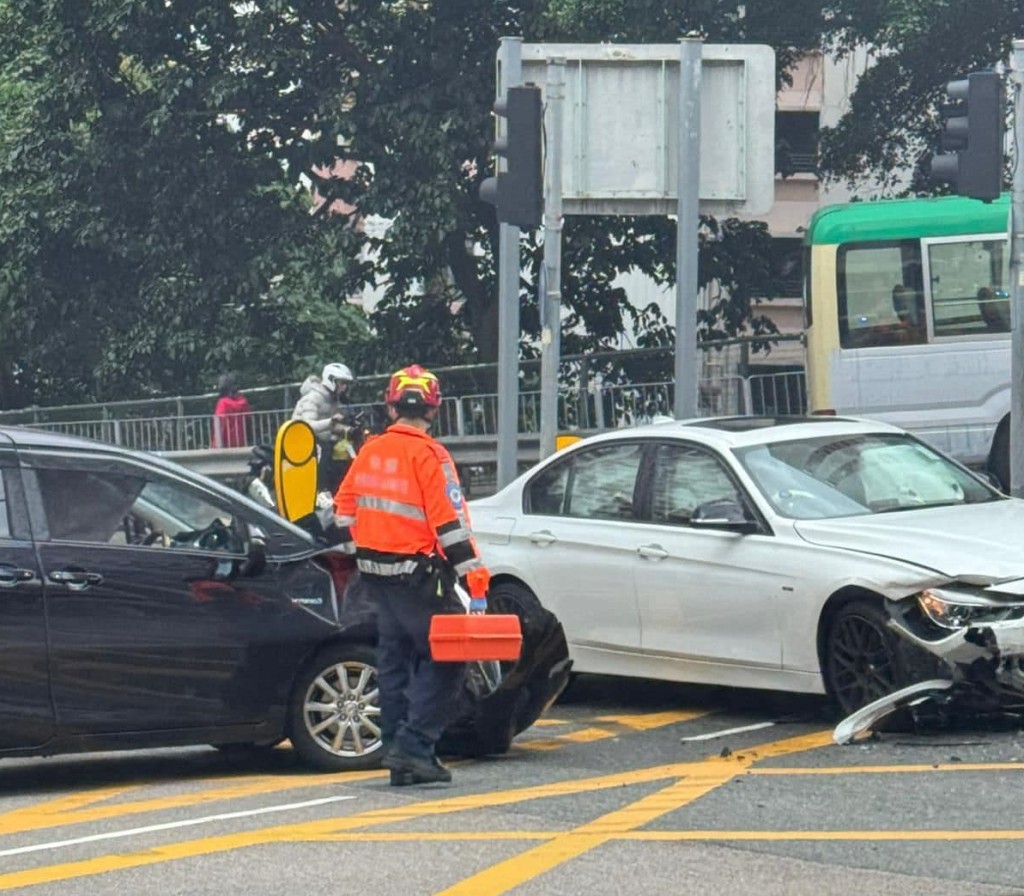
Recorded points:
(336, 373)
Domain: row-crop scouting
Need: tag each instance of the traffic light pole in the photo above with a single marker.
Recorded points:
(551, 305)
(1017, 277)
(687, 224)
(510, 75)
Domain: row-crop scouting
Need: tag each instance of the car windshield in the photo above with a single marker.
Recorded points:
(856, 474)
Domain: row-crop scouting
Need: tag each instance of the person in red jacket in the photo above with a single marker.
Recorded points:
(230, 416)
(400, 509)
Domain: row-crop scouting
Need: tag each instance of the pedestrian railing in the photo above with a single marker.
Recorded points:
(597, 407)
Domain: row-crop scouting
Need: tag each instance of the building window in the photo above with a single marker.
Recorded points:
(787, 265)
(796, 143)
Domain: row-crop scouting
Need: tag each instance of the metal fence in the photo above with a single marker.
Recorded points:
(596, 405)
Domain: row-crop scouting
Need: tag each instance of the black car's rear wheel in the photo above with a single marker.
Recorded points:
(334, 714)
(862, 660)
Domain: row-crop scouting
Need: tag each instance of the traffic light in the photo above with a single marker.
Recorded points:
(972, 137)
(518, 191)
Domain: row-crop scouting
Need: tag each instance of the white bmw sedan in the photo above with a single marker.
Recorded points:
(821, 555)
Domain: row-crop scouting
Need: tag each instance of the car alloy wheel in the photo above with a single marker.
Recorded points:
(862, 663)
(335, 712)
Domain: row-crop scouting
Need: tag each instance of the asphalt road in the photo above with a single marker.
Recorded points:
(626, 786)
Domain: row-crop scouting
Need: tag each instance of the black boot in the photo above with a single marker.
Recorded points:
(406, 769)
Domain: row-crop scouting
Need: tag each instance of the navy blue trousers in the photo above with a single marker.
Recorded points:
(418, 697)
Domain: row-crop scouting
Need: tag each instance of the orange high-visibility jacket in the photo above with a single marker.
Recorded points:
(401, 500)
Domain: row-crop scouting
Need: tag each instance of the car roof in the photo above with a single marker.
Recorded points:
(30, 437)
(739, 431)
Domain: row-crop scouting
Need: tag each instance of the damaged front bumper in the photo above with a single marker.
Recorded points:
(985, 656)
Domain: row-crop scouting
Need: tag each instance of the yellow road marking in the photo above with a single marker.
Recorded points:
(670, 836)
(330, 827)
(700, 778)
(647, 721)
(67, 811)
(692, 780)
(46, 814)
(892, 769)
(541, 745)
(586, 735)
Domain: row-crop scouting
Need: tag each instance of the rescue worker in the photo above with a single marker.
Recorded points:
(323, 404)
(400, 509)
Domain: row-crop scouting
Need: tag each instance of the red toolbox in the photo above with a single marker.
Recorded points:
(460, 638)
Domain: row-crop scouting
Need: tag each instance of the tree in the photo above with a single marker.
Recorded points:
(152, 232)
(918, 45)
(149, 235)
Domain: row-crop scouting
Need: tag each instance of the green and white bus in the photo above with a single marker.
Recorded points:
(907, 317)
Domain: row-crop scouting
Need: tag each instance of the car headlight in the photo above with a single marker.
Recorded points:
(955, 610)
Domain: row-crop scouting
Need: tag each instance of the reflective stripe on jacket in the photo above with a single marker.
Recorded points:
(402, 500)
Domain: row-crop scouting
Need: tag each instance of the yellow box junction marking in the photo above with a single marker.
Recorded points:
(687, 782)
(648, 720)
(71, 809)
(628, 721)
(81, 808)
(697, 778)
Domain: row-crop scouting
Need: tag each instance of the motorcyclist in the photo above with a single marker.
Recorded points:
(323, 404)
(259, 484)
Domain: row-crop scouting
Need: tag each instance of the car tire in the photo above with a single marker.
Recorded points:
(334, 713)
(518, 600)
(863, 660)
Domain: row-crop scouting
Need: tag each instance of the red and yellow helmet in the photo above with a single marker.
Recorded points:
(413, 387)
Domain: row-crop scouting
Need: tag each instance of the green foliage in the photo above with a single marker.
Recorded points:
(919, 45)
(148, 232)
(153, 233)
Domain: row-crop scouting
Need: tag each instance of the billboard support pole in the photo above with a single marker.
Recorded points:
(687, 226)
(551, 320)
(509, 75)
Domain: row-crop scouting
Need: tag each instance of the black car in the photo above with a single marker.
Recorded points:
(143, 605)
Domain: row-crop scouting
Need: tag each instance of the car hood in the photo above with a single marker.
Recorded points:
(980, 542)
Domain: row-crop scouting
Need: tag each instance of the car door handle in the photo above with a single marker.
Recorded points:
(652, 552)
(75, 579)
(543, 538)
(11, 576)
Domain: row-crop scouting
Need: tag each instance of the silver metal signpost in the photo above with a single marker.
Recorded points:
(551, 329)
(1017, 277)
(687, 224)
(509, 75)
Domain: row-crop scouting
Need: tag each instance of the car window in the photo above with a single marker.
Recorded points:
(593, 483)
(847, 475)
(132, 508)
(547, 494)
(684, 478)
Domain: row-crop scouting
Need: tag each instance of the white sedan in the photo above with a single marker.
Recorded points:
(821, 555)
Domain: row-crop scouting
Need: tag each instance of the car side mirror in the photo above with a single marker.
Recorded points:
(256, 553)
(727, 514)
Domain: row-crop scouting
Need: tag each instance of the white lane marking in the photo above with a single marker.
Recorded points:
(711, 735)
(170, 825)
